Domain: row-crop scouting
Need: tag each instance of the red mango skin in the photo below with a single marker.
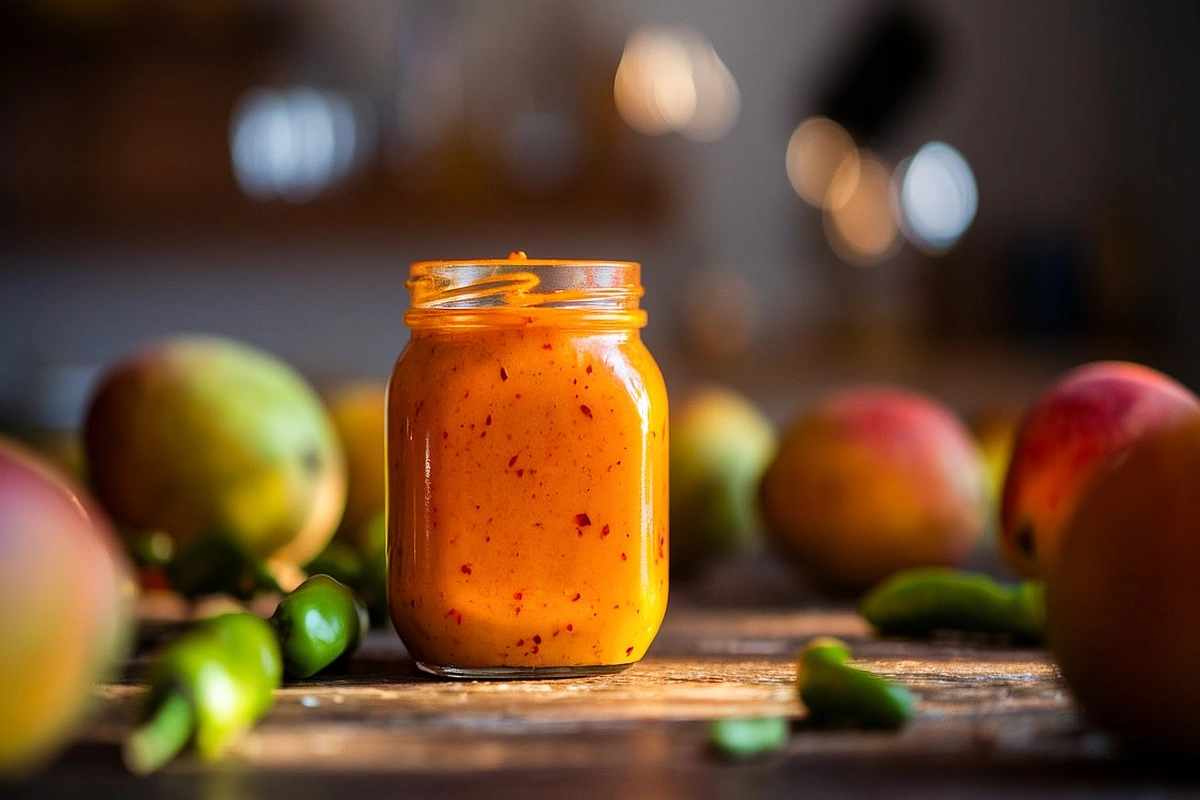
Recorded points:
(66, 608)
(1084, 421)
(1123, 604)
(870, 481)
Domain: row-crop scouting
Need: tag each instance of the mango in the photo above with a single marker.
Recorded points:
(870, 481)
(995, 433)
(1123, 601)
(66, 607)
(197, 435)
(358, 415)
(1085, 420)
(720, 446)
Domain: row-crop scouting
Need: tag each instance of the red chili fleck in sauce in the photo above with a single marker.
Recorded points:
(488, 421)
(589, 369)
(520, 472)
(451, 613)
(520, 642)
(604, 531)
(503, 374)
(466, 569)
(512, 461)
(575, 597)
(624, 557)
(517, 595)
(537, 639)
(547, 346)
(570, 626)
(628, 651)
(587, 412)
(582, 520)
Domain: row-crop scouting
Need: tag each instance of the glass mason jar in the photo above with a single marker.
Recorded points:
(527, 470)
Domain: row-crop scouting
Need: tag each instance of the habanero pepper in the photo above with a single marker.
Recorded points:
(318, 624)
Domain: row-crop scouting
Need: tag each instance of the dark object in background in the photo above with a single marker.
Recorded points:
(895, 58)
(217, 563)
(1048, 276)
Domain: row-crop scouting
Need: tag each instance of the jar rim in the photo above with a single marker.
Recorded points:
(419, 267)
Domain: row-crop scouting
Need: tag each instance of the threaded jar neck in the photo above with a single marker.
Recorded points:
(519, 290)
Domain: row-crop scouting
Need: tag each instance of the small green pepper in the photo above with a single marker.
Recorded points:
(917, 602)
(838, 695)
(209, 686)
(739, 738)
(318, 623)
(215, 563)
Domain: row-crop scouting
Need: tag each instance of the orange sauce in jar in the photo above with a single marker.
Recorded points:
(527, 471)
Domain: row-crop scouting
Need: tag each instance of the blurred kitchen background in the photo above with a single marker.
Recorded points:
(962, 196)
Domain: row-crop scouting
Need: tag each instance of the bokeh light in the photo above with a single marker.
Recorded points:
(863, 229)
(294, 144)
(937, 196)
(718, 99)
(672, 80)
(818, 150)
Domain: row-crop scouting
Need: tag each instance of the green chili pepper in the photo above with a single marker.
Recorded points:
(917, 602)
(748, 738)
(215, 563)
(838, 695)
(209, 687)
(318, 623)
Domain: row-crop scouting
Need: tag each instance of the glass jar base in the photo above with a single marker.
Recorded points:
(521, 673)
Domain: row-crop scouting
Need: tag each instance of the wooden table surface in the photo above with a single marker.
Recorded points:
(992, 720)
